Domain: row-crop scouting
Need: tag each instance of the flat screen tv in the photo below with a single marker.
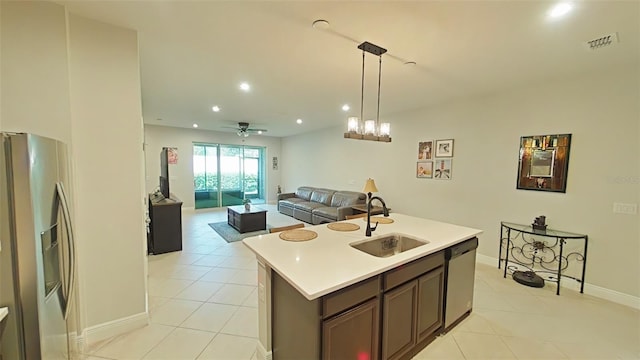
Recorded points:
(164, 172)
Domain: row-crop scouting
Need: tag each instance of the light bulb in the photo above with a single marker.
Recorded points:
(370, 127)
(385, 129)
(352, 124)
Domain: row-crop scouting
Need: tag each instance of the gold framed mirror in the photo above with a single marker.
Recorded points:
(544, 161)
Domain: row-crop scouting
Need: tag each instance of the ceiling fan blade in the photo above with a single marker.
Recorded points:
(256, 130)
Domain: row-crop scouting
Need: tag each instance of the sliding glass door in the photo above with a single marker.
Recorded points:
(224, 175)
(205, 176)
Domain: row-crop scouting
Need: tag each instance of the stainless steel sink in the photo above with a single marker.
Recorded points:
(388, 245)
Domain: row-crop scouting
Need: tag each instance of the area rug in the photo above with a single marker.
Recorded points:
(232, 235)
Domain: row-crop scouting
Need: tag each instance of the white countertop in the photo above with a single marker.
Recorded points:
(327, 263)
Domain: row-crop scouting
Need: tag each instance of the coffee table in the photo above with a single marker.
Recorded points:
(244, 221)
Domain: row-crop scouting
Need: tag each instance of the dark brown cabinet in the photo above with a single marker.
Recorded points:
(393, 315)
(353, 334)
(165, 229)
(430, 295)
(412, 313)
(412, 306)
(399, 320)
(342, 325)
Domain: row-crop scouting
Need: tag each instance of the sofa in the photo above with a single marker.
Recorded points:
(318, 205)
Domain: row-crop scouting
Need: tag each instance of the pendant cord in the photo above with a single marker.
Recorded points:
(379, 78)
(362, 94)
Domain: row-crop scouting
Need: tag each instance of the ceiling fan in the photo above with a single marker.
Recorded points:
(243, 130)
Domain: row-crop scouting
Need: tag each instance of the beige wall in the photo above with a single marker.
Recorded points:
(181, 174)
(107, 143)
(35, 77)
(80, 84)
(600, 110)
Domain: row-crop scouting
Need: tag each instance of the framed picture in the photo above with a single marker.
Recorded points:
(425, 150)
(424, 169)
(444, 148)
(172, 154)
(442, 169)
(544, 162)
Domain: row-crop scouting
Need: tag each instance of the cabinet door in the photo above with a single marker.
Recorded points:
(399, 320)
(430, 291)
(166, 228)
(353, 334)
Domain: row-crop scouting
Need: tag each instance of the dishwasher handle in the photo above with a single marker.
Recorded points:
(460, 249)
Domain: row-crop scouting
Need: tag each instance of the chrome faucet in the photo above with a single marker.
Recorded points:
(385, 212)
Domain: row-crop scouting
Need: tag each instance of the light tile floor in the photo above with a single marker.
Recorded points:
(203, 305)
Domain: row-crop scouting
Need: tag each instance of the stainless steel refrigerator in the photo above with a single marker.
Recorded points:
(37, 254)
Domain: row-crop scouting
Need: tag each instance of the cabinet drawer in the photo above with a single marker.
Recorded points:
(340, 341)
(350, 296)
(412, 270)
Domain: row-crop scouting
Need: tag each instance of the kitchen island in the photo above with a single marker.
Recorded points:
(308, 289)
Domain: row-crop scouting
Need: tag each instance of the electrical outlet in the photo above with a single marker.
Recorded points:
(622, 208)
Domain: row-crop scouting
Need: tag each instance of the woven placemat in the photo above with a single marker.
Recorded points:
(343, 226)
(298, 235)
(380, 220)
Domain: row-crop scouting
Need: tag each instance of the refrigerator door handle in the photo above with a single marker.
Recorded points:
(72, 249)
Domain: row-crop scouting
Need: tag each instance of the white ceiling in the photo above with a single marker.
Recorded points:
(194, 54)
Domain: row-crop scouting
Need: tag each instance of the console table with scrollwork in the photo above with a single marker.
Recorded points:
(540, 251)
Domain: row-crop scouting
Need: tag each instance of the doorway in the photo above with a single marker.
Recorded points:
(225, 175)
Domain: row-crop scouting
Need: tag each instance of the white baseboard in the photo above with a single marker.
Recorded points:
(593, 290)
(262, 353)
(113, 328)
(612, 295)
(486, 260)
(80, 346)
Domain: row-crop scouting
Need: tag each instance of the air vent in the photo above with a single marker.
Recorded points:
(602, 41)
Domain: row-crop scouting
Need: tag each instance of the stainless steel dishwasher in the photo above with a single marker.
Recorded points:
(460, 264)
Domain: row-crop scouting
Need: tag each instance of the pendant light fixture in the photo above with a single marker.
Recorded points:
(369, 129)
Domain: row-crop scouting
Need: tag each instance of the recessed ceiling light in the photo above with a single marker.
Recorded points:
(159, 119)
(560, 10)
(195, 125)
(215, 108)
(410, 63)
(299, 121)
(320, 24)
(259, 132)
(345, 107)
(245, 87)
